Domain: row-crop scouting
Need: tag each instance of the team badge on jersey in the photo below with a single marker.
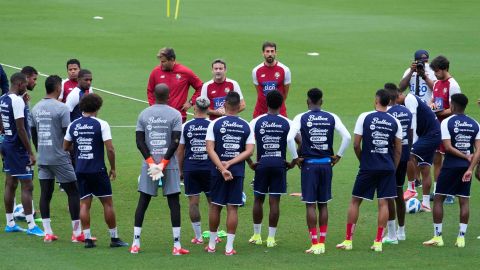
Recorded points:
(178, 76)
(277, 75)
(162, 77)
(445, 90)
(227, 90)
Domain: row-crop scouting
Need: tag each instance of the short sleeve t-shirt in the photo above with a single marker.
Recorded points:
(231, 134)
(193, 137)
(378, 131)
(88, 135)
(158, 122)
(462, 131)
(50, 117)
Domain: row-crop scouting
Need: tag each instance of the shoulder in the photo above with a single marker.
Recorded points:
(206, 84)
(283, 66)
(103, 123)
(182, 68)
(255, 69)
(228, 80)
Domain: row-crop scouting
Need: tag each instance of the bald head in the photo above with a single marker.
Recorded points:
(161, 93)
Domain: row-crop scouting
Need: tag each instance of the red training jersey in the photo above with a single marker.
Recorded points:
(267, 79)
(179, 81)
(442, 91)
(216, 93)
(67, 87)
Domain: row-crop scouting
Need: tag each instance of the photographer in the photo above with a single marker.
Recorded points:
(422, 84)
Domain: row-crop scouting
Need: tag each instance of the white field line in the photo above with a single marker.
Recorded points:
(94, 88)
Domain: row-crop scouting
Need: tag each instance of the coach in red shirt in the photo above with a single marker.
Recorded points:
(178, 78)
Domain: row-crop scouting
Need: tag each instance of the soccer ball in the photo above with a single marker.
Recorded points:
(412, 206)
(18, 213)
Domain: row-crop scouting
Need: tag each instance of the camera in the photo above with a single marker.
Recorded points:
(420, 65)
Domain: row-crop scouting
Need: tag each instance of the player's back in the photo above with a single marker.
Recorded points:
(426, 119)
(462, 130)
(193, 137)
(271, 132)
(50, 116)
(317, 130)
(158, 121)
(88, 135)
(405, 117)
(230, 134)
(378, 131)
(12, 106)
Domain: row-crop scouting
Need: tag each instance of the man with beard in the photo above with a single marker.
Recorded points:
(270, 75)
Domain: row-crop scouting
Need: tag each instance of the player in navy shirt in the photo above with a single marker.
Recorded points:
(194, 163)
(317, 128)
(230, 141)
(378, 146)
(271, 132)
(461, 138)
(405, 117)
(83, 88)
(426, 140)
(18, 154)
(89, 136)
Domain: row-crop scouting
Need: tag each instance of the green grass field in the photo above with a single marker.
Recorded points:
(362, 45)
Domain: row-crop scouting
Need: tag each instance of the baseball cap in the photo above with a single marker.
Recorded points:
(202, 102)
(418, 54)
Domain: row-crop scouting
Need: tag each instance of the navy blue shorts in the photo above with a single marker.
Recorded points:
(424, 148)
(369, 181)
(226, 192)
(401, 172)
(94, 184)
(271, 180)
(197, 182)
(16, 162)
(450, 182)
(316, 183)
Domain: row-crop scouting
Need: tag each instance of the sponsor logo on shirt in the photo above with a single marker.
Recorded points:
(269, 86)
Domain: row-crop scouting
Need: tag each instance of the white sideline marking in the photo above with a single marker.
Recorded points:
(94, 88)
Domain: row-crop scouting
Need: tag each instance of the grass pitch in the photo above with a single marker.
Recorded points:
(361, 45)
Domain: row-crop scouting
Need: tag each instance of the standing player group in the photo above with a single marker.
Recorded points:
(398, 139)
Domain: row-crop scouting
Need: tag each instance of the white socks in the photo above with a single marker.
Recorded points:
(46, 226)
(10, 219)
(136, 236)
(176, 237)
(87, 234)
(76, 228)
(392, 232)
(30, 221)
(437, 229)
(426, 201)
(212, 242)
(229, 245)
(272, 231)
(257, 228)
(463, 230)
(113, 232)
(197, 229)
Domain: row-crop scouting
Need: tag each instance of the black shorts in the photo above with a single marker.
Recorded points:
(369, 181)
(226, 192)
(450, 182)
(94, 184)
(197, 182)
(316, 182)
(272, 180)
